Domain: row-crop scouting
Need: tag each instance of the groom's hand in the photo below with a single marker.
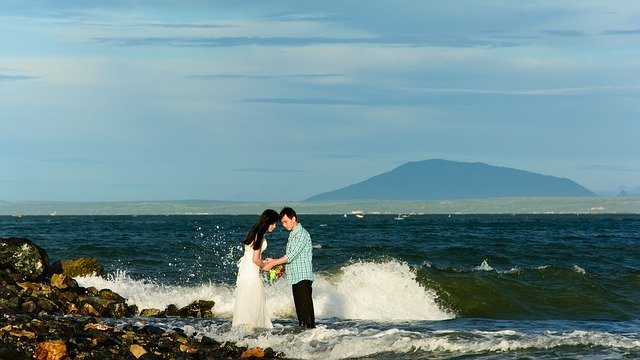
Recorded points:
(268, 264)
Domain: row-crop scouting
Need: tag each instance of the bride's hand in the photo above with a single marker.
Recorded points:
(267, 265)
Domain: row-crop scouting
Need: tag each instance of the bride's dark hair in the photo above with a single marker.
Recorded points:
(267, 218)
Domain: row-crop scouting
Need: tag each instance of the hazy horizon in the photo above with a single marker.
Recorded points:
(523, 205)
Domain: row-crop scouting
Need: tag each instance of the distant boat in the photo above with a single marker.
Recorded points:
(399, 217)
(359, 216)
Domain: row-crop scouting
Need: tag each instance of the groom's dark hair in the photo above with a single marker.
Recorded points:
(289, 212)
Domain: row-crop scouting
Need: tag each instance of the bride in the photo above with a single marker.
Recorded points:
(249, 310)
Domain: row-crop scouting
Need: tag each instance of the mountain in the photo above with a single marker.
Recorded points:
(441, 179)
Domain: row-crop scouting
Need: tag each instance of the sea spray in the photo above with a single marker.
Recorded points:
(147, 294)
(385, 291)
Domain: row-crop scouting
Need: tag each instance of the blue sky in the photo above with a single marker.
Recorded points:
(275, 101)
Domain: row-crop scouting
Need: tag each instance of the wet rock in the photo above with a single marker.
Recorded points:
(172, 310)
(256, 352)
(110, 295)
(137, 351)
(9, 301)
(60, 281)
(150, 312)
(19, 334)
(84, 266)
(198, 309)
(47, 306)
(22, 259)
(99, 327)
(88, 310)
(51, 350)
(29, 307)
(152, 330)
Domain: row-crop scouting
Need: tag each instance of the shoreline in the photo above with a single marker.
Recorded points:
(46, 315)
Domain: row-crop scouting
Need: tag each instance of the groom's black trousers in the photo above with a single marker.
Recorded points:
(304, 303)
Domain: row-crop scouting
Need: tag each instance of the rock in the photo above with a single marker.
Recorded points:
(152, 330)
(150, 312)
(88, 310)
(110, 295)
(95, 326)
(51, 350)
(30, 335)
(137, 350)
(198, 309)
(60, 281)
(9, 300)
(256, 352)
(188, 349)
(172, 310)
(116, 310)
(48, 306)
(84, 266)
(29, 307)
(23, 259)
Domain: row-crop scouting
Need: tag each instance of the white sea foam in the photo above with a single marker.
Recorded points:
(342, 343)
(579, 270)
(376, 291)
(484, 266)
(364, 291)
(146, 294)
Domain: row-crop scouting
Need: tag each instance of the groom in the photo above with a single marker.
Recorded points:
(298, 268)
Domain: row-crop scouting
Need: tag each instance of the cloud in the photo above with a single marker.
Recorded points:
(306, 101)
(610, 167)
(399, 40)
(430, 96)
(294, 16)
(72, 160)
(565, 33)
(7, 78)
(262, 77)
(622, 32)
(267, 170)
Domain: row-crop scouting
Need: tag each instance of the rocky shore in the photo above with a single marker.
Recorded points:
(45, 315)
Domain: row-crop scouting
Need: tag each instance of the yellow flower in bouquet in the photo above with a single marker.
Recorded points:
(275, 273)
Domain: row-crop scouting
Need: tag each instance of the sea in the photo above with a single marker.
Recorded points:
(387, 286)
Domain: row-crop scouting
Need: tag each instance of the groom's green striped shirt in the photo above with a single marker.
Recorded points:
(299, 256)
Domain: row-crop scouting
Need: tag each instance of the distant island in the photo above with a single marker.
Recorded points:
(438, 179)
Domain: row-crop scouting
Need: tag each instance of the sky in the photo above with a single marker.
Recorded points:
(282, 100)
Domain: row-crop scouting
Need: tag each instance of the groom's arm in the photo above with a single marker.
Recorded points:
(273, 262)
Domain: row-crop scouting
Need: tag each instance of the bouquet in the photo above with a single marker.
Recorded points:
(275, 273)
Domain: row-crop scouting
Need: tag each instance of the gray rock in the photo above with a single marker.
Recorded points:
(23, 259)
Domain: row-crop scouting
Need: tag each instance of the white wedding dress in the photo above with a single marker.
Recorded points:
(249, 310)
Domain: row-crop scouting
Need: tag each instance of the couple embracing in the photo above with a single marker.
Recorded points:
(249, 310)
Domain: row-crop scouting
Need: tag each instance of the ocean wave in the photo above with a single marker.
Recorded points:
(541, 292)
(386, 291)
(344, 342)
